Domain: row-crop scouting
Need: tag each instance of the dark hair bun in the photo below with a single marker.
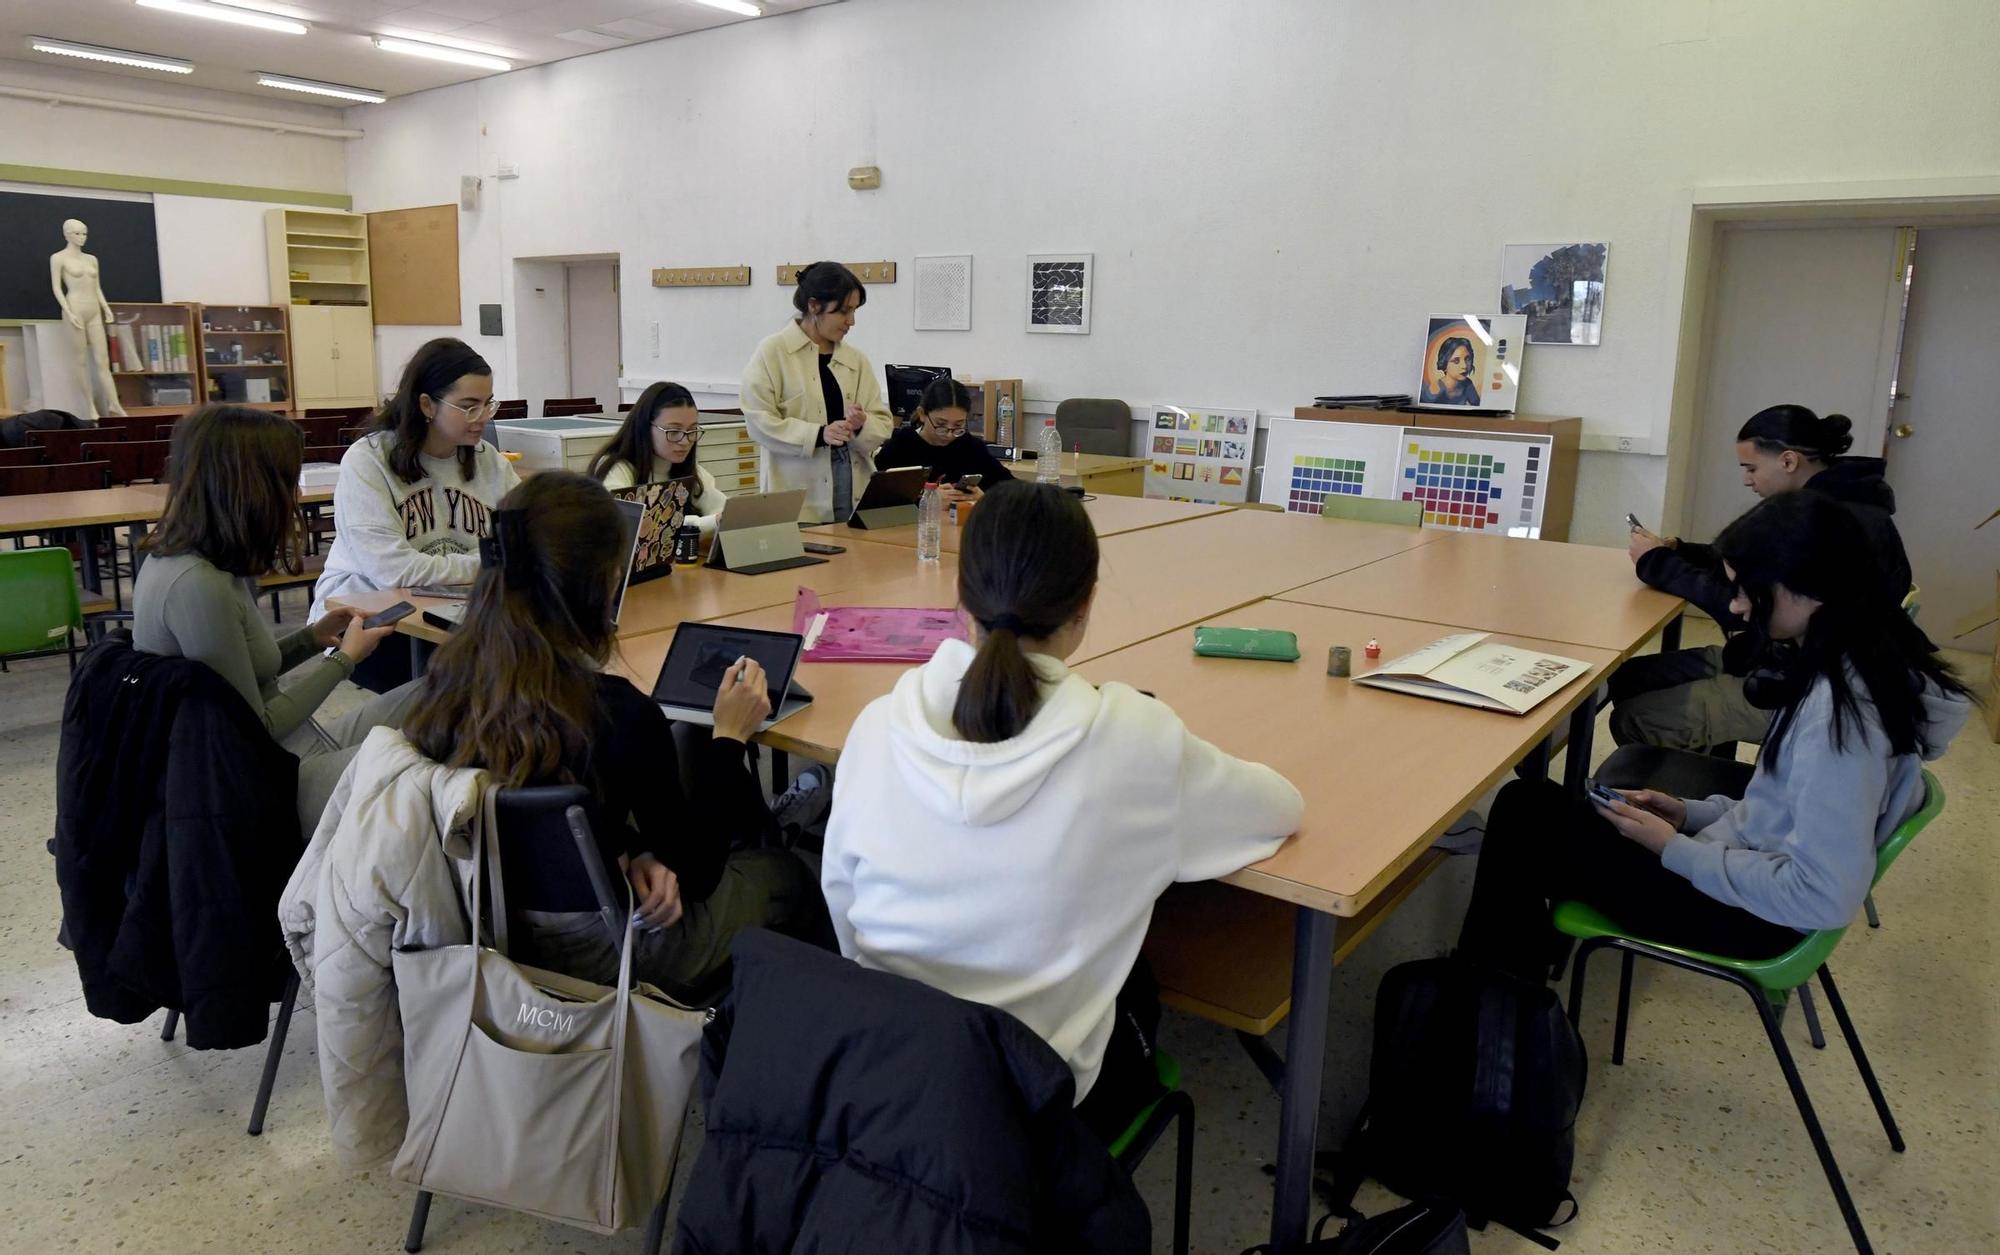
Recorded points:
(1834, 439)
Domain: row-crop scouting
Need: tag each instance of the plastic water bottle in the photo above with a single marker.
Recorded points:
(1048, 454)
(1006, 433)
(930, 524)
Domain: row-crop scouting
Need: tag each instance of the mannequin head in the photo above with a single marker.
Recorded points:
(75, 232)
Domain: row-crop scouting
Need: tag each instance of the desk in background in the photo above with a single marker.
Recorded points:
(1100, 473)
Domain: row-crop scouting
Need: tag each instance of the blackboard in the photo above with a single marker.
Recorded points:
(122, 238)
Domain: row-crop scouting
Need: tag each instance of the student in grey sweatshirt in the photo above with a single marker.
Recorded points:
(1859, 700)
(416, 495)
(233, 516)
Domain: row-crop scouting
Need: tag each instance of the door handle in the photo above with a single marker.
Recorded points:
(1904, 431)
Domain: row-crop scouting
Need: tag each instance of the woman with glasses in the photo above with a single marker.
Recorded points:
(938, 441)
(417, 494)
(656, 446)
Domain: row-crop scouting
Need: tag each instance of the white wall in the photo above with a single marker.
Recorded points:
(1276, 193)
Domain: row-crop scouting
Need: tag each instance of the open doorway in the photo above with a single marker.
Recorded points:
(1794, 299)
(568, 340)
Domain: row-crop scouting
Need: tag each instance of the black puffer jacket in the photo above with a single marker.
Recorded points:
(850, 1110)
(1694, 572)
(176, 828)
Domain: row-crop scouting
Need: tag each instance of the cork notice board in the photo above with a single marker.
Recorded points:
(413, 266)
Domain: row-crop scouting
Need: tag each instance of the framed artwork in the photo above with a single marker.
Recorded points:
(1558, 287)
(1471, 362)
(1059, 293)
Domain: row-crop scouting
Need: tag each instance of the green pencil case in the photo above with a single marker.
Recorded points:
(1262, 644)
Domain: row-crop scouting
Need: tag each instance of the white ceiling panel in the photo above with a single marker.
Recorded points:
(338, 48)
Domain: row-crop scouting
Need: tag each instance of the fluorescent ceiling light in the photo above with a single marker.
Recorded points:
(113, 56)
(734, 6)
(437, 52)
(313, 87)
(221, 13)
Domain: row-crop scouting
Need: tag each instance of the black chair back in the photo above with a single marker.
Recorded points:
(548, 853)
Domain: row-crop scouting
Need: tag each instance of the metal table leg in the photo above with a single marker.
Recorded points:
(1670, 635)
(1305, 1065)
(1582, 728)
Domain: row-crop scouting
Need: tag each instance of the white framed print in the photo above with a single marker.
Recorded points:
(1471, 362)
(1059, 293)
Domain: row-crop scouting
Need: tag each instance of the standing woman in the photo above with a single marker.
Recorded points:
(417, 494)
(657, 446)
(812, 402)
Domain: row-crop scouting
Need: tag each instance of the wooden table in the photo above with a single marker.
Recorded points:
(1111, 516)
(1578, 594)
(93, 511)
(1102, 473)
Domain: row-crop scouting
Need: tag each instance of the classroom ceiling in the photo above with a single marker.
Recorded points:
(337, 49)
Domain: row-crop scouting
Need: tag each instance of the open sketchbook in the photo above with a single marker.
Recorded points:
(1472, 672)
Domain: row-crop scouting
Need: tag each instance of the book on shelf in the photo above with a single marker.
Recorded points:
(1468, 669)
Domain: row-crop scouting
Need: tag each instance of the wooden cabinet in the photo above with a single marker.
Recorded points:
(727, 452)
(319, 270)
(153, 349)
(246, 356)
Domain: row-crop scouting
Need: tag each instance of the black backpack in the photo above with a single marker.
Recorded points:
(1473, 1091)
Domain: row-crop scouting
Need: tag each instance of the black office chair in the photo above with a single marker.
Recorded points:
(274, 1049)
(549, 862)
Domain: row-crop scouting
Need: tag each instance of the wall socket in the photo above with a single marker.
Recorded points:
(1627, 445)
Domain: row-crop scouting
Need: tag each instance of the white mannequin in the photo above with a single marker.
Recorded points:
(84, 305)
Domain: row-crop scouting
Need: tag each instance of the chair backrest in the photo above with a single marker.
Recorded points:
(26, 455)
(1095, 425)
(18, 481)
(564, 409)
(1907, 831)
(1373, 510)
(348, 435)
(348, 412)
(326, 453)
(67, 445)
(131, 460)
(547, 854)
(38, 598)
(512, 409)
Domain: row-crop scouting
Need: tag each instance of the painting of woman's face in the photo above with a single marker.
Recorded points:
(1458, 365)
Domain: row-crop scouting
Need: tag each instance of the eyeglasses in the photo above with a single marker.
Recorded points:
(677, 435)
(942, 430)
(474, 410)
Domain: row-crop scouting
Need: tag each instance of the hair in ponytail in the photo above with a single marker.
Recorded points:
(1797, 428)
(514, 691)
(1027, 565)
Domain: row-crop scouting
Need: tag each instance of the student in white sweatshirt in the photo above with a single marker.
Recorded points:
(657, 445)
(1001, 827)
(1858, 700)
(417, 494)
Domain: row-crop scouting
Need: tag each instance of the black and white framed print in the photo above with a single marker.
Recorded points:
(1059, 293)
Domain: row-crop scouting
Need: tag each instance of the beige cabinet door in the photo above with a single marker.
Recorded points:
(354, 336)
(312, 352)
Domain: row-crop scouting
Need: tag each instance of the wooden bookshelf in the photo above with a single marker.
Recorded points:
(245, 349)
(154, 357)
(319, 272)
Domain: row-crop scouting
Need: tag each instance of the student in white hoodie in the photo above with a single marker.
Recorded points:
(1001, 827)
(416, 495)
(1859, 699)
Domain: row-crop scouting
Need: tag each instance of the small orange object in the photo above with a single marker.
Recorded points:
(1373, 649)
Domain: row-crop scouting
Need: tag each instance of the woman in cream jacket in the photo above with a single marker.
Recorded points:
(812, 403)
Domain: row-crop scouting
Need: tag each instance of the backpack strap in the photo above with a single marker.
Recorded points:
(1349, 1170)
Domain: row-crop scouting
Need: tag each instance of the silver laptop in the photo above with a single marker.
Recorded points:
(702, 653)
(759, 532)
(451, 614)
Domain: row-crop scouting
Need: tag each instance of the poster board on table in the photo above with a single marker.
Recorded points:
(1471, 482)
(413, 266)
(1306, 461)
(1200, 455)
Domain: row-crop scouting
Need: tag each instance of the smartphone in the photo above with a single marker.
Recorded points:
(1601, 793)
(966, 483)
(393, 614)
(1632, 523)
(814, 546)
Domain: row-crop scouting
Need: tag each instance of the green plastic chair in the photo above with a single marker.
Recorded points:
(38, 602)
(1373, 510)
(1770, 983)
(1132, 1146)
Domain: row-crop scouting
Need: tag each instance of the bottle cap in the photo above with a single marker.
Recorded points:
(1373, 649)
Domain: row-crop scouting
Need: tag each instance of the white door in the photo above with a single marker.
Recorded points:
(1949, 404)
(594, 357)
(1806, 316)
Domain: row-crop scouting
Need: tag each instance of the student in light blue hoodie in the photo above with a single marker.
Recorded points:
(1859, 701)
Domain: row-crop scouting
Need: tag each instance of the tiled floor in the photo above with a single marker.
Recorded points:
(117, 1141)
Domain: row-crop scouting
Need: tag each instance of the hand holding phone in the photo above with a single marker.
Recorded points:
(1600, 794)
(1632, 523)
(388, 616)
(969, 483)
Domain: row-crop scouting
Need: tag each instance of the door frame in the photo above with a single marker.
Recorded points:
(1915, 203)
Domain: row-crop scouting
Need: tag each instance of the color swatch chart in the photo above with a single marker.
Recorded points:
(1456, 489)
(1314, 479)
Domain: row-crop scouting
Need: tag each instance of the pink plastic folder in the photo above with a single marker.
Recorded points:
(872, 633)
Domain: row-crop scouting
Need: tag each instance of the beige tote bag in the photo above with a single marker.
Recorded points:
(536, 1091)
